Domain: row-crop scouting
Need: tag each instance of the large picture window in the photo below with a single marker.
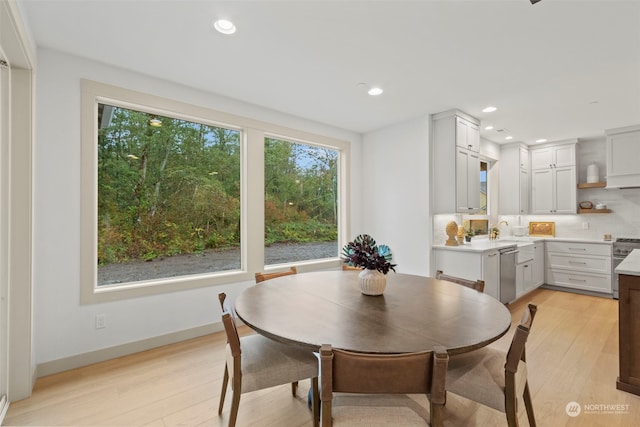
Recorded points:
(301, 202)
(168, 197)
(177, 196)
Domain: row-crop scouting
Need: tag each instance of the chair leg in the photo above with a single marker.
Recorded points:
(225, 382)
(528, 404)
(511, 410)
(325, 410)
(235, 404)
(436, 415)
(294, 388)
(315, 398)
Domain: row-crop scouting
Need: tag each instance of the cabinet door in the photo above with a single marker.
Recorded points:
(519, 280)
(473, 137)
(564, 155)
(524, 158)
(524, 191)
(528, 276)
(541, 158)
(467, 181)
(565, 189)
(538, 264)
(542, 191)
(491, 273)
(467, 135)
(473, 181)
(462, 180)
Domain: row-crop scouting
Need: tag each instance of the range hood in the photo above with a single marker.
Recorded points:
(621, 182)
(623, 152)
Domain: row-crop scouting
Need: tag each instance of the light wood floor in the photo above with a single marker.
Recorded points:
(572, 354)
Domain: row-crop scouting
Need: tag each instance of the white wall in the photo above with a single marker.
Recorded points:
(62, 327)
(395, 192)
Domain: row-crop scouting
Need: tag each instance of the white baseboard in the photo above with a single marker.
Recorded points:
(77, 361)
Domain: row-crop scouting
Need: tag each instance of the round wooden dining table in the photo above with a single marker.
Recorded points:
(415, 313)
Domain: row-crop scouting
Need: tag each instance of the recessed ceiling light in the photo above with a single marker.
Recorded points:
(489, 109)
(488, 128)
(508, 137)
(541, 140)
(224, 26)
(375, 91)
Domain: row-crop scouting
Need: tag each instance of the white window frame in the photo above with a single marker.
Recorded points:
(251, 192)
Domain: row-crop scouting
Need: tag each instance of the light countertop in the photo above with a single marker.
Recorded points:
(481, 245)
(484, 244)
(630, 265)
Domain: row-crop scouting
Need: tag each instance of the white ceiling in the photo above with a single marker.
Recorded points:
(559, 69)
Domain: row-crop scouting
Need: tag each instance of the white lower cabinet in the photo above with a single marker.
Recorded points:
(491, 273)
(584, 266)
(472, 266)
(538, 264)
(524, 278)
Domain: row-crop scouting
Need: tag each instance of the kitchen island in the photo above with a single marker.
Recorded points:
(629, 323)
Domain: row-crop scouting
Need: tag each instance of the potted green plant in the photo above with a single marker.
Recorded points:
(374, 259)
(468, 234)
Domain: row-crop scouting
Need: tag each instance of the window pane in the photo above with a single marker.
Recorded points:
(168, 197)
(483, 188)
(301, 202)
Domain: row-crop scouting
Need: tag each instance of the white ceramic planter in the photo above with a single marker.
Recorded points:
(372, 282)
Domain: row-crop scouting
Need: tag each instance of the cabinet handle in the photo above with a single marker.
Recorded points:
(490, 255)
(577, 249)
(576, 280)
(576, 262)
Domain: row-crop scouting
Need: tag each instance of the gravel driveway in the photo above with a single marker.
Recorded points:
(211, 260)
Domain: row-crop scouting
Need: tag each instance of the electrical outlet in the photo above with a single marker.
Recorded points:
(585, 225)
(101, 321)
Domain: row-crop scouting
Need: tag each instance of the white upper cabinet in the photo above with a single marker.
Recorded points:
(455, 163)
(467, 134)
(553, 156)
(623, 152)
(553, 179)
(514, 179)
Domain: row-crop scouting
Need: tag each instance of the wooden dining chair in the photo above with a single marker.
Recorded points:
(484, 377)
(261, 277)
(478, 285)
(373, 388)
(255, 362)
(346, 267)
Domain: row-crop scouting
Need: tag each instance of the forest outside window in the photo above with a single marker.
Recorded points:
(301, 202)
(168, 197)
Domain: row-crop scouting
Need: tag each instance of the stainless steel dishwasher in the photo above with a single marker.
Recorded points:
(508, 274)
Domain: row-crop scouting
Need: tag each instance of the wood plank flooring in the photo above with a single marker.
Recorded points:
(572, 355)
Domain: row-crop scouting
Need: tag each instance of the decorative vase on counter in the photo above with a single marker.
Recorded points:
(372, 282)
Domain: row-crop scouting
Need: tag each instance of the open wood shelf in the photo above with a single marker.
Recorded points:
(592, 185)
(588, 211)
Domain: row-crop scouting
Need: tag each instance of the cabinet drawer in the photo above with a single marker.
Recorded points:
(584, 281)
(579, 248)
(585, 263)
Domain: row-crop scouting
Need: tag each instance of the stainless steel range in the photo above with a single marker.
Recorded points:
(621, 248)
